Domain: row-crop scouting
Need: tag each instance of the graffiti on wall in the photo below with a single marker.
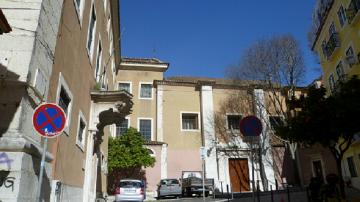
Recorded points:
(6, 181)
(4, 159)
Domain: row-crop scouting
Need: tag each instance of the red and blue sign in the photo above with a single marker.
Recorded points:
(251, 126)
(49, 120)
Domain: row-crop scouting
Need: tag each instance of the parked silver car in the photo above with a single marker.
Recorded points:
(169, 187)
(130, 190)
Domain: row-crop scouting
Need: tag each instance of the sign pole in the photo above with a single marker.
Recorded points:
(252, 168)
(203, 178)
(49, 121)
(42, 165)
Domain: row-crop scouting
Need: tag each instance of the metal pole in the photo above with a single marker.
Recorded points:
(252, 168)
(42, 164)
(203, 180)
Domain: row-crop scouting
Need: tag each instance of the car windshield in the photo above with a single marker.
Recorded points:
(129, 184)
(169, 181)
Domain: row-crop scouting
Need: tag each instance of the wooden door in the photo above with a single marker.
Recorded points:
(239, 175)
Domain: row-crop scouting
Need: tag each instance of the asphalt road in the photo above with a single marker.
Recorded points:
(186, 199)
(192, 199)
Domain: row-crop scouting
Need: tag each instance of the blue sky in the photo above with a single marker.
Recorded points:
(203, 37)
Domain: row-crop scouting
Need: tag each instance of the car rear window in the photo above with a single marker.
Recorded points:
(131, 184)
(170, 181)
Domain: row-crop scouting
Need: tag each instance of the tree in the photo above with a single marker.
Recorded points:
(278, 63)
(331, 121)
(127, 156)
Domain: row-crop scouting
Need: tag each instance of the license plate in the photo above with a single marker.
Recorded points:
(130, 190)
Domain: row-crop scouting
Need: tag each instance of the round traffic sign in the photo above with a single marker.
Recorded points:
(49, 120)
(251, 126)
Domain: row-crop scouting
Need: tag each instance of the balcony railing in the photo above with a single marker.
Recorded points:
(352, 12)
(331, 45)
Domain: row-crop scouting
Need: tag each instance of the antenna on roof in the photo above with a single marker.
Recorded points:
(154, 52)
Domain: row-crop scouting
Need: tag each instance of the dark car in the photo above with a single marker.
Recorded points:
(130, 190)
(169, 187)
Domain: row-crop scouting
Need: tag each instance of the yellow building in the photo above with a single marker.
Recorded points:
(335, 35)
(179, 115)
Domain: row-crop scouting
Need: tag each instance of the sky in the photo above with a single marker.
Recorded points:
(204, 37)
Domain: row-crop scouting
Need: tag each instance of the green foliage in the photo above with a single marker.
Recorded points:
(127, 151)
(326, 119)
(331, 120)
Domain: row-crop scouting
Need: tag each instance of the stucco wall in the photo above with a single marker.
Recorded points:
(153, 174)
(316, 152)
(144, 108)
(77, 68)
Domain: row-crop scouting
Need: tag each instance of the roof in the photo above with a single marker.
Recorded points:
(220, 81)
(143, 60)
(146, 64)
(4, 25)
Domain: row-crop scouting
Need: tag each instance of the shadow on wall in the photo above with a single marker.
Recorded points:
(289, 170)
(10, 97)
(46, 184)
(130, 173)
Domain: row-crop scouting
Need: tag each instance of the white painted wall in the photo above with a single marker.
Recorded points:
(159, 113)
(207, 109)
(267, 159)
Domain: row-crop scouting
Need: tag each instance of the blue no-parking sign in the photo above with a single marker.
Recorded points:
(49, 120)
(251, 126)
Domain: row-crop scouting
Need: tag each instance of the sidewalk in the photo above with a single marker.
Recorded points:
(352, 194)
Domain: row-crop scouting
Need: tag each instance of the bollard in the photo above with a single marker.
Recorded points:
(271, 193)
(288, 193)
(227, 191)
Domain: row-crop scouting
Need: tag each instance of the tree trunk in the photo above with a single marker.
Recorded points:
(341, 182)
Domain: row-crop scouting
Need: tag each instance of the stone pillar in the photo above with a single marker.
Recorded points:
(164, 161)
(266, 154)
(159, 114)
(208, 128)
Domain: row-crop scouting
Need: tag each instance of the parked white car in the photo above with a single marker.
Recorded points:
(130, 190)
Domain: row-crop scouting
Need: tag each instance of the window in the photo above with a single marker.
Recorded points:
(350, 56)
(79, 7)
(331, 82)
(104, 83)
(275, 121)
(98, 63)
(91, 32)
(145, 128)
(341, 15)
(233, 122)
(125, 86)
(340, 71)
(122, 127)
(189, 121)
(332, 29)
(146, 90)
(113, 65)
(351, 166)
(80, 139)
(64, 100)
